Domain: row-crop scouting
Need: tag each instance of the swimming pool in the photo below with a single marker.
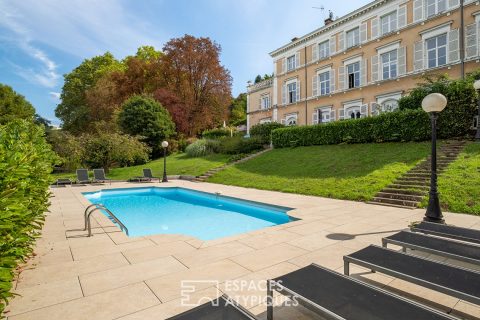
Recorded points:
(207, 216)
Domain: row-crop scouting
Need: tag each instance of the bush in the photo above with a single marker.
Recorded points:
(202, 147)
(264, 131)
(26, 160)
(68, 148)
(409, 125)
(216, 133)
(239, 145)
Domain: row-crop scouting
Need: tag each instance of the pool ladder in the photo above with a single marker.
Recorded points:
(98, 206)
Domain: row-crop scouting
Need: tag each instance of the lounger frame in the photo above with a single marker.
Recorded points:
(417, 228)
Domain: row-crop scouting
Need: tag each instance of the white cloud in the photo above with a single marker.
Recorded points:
(54, 95)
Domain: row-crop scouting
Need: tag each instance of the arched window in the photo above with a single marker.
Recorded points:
(353, 112)
(389, 105)
(291, 120)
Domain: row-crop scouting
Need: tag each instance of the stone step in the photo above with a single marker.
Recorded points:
(390, 205)
(411, 179)
(399, 196)
(417, 175)
(405, 191)
(409, 185)
(399, 202)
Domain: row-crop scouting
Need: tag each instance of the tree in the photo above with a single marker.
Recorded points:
(73, 110)
(14, 106)
(258, 79)
(193, 72)
(238, 110)
(175, 107)
(143, 116)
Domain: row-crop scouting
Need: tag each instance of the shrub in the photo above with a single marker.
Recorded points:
(68, 148)
(202, 147)
(239, 145)
(409, 125)
(25, 163)
(264, 131)
(216, 133)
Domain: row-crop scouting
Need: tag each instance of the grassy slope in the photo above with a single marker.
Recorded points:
(459, 185)
(355, 172)
(176, 164)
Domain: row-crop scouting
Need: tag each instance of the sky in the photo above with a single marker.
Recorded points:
(40, 41)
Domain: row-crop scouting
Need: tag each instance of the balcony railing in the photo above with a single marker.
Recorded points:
(261, 85)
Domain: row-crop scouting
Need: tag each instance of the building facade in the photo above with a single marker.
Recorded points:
(361, 64)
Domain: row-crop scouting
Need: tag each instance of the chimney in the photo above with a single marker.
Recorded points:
(294, 39)
(329, 19)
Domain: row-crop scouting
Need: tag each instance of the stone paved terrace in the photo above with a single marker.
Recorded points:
(112, 276)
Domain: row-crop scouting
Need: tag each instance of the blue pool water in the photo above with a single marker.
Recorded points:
(147, 211)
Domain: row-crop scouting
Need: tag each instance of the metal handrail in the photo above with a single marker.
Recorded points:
(99, 206)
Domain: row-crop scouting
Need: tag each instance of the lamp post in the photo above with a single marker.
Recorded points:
(476, 85)
(164, 145)
(433, 104)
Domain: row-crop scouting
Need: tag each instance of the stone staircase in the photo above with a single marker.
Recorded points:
(211, 172)
(409, 190)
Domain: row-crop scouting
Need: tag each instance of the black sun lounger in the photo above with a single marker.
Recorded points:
(455, 281)
(82, 176)
(221, 308)
(99, 176)
(335, 296)
(440, 246)
(442, 230)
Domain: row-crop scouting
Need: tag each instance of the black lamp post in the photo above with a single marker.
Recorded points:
(476, 85)
(165, 145)
(433, 104)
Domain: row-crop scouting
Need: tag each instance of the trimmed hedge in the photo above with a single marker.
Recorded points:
(264, 130)
(409, 125)
(216, 133)
(25, 163)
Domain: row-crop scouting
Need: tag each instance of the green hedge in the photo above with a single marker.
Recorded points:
(409, 125)
(217, 133)
(264, 130)
(25, 164)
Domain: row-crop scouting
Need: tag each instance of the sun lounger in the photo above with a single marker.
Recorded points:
(63, 181)
(443, 230)
(221, 308)
(439, 246)
(455, 281)
(147, 176)
(82, 176)
(99, 176)
(335, 296)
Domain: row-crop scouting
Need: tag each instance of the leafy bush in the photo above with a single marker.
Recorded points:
(202, 147)
(68, 148)
(408, 125)
(239, 145)
(25, 163)
(216, 133)
(264, 130)
(457, 118)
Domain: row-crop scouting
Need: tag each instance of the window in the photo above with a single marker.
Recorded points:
(265, 102)
(437, 51)
(434, 7)
(389, 64)
(324, 115)
(291, 63)
(324, 50)
(353, 74)
(324, 79)
(389, 23)
(265, 120)
(353, 113)
(353, 37)
(390, 105)
(291, 120)
(292, 92)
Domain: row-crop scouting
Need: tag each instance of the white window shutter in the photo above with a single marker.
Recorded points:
(315, 85)
(333, 45)
(374, 28)
(453, 45)
(363, 72)
(298, 90)
(341, 114)
(402, 17)
(417, 10)
(315, 117)
(363, 32)
(471, 40)
(284, 65)
(341, 41)
(364, 110)
(402, 60)
(315, 52)
(374, 109)
(332, 80)
(332, 115)
(284, 94)
(453, 3)
(297, 60)
(418, 56)
(341, 78)
(374, 68)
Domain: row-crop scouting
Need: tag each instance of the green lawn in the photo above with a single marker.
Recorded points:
(176, 164)
(459, 185)
(354, 172)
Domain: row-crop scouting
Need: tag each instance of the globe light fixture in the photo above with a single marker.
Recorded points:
(433, 104)
(164, 146)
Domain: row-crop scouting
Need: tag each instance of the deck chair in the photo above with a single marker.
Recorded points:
(147, 173)
(446, 231)
(99, 176)
(63, 181)
(335, 296)
(221, 308)
(82, 176)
